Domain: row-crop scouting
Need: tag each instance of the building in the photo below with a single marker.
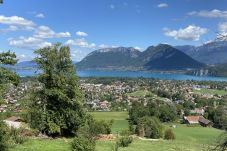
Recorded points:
(197, 120)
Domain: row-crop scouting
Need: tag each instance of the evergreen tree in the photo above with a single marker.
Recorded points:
(57, 108)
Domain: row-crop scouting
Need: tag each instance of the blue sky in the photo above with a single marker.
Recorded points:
(87, 25)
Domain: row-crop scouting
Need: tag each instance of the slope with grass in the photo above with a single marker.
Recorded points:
(187, 138)
(119, 119)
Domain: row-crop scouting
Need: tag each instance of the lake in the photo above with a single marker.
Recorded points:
(133, 74)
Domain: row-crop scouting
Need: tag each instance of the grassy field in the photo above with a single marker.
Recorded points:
(187, 138)
(211, 91)
(119, 118)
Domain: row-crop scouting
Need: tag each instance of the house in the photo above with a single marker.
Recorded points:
(197, 120)
(191, 119)
(15, 122)
(204, 122)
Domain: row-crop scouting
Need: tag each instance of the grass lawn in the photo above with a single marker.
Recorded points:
(211, 91)
(119, 118)
(187, 138)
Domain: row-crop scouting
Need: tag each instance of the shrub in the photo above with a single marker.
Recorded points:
(16, 135)
(169, 135)
(82, 143)
(149, 127)
(124, 141)
(125, 132)
(92, 128)
(4, 136)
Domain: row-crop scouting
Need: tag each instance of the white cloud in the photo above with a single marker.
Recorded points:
(46, 32)
(162, 5)
(82, 34)
(15, 20)
(112, 6)
(103, 46)
(40, 15)
(222, 29)
(83, 43)
(191, 32)
(215, 13)
(28, 43)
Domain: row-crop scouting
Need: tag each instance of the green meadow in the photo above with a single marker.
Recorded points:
(187, 138)
(211, 91)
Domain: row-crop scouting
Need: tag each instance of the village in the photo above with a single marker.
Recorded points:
(187, 97)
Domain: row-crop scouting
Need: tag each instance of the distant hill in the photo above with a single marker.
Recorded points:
(161, 57)
(210, 53)
(112, 58)
(165, 57)
(27, 64)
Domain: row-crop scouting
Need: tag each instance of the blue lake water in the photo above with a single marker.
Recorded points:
(132, 74)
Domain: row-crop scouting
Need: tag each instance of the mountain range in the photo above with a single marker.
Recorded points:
(210, 53)
(208, 59)
(161, 57)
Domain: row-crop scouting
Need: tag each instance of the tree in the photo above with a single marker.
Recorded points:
(6, 76)
(167, 113)
(3, 136)
(57, 108)
(149, 127)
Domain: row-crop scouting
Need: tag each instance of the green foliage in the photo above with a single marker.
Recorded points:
(161, 110)
(16, 136)
(218, 116)
(149, 127)
(56, 109)
(124, 141)
(10, 136)
(137, 111)
(222, 143)
(169, 135)
(8, 58)
(3, 136)
(167, 113)
(131, 127)
(82, 143)
(6, 76)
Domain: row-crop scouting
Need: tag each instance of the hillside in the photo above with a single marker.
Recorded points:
(165, 57)
(161, 57)
(111, 58)
(210, 53)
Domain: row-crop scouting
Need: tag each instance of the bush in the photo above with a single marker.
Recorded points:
(4, 136)
(149, 127)
(169, 135)
(125, 132)
(124, 141)
(82, 143)
(16, 135)
(92, 128)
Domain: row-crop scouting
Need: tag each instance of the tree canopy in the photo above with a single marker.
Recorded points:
(56, 109)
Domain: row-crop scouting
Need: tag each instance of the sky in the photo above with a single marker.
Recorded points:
(88, 25)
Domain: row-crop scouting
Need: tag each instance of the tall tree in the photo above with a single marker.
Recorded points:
(7, 76)
(8, 58)
(57, 109)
